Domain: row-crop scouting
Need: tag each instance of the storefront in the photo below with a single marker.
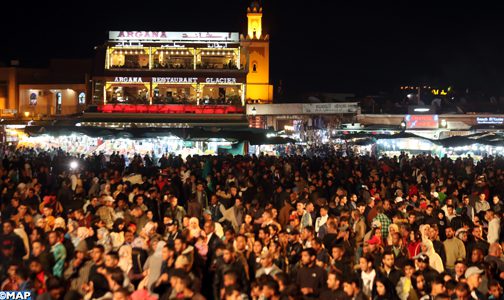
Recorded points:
(82, 144)
(127, 90)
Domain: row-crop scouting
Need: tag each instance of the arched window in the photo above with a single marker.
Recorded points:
(33, 99)
(254, 67)
(82, 98)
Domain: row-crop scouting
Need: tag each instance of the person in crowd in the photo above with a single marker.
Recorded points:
(454, 249)
(310, 278)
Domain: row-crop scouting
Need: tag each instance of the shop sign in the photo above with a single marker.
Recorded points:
(331, 108)
(209, 80)
(489, 120)
(174, 79)
(128, 79)
(422, 121)
(173, 36)
(220, 80)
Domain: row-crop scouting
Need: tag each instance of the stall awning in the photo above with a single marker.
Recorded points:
(252, 135)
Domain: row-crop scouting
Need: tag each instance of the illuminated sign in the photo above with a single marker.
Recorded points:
(174, 79)
(128, 79)
(209, 80)
(170, 109)
(439, 92)
(489, 120)
(331, 108)
(173, 36)
(220, 80)
(422, 121)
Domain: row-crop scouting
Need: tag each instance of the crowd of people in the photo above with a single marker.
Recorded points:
(251, 227)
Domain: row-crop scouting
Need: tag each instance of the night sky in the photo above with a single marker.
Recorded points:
(315, 45)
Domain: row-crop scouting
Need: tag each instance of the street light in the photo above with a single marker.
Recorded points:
(73, 165)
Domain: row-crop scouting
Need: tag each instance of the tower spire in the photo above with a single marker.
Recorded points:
(254, 16)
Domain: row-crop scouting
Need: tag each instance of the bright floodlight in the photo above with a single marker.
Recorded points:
(73, 165)
(421, 109)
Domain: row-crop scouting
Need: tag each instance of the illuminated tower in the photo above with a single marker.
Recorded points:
(256, 56)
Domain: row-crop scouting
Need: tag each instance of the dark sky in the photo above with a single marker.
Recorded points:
(316, 45)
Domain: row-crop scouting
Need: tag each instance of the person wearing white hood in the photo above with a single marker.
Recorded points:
(435, 261)
(152, 266)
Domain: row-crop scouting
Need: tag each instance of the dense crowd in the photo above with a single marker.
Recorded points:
(247, 227)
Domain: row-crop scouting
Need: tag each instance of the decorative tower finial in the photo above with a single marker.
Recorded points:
(254, 15)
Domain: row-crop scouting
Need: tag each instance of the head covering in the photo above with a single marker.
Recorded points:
(435, 260)
(108, 199)
(105, 240)
(155, 261)
(59, 222)
(139, 242)
(148, 227)
(376, 224)
(125, 258)
(473, 271)
(459, 232)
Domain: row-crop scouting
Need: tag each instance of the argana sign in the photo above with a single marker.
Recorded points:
(164, 36)
(128, 79)
(331, 108)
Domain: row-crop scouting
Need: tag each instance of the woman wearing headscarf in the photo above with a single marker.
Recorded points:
(441, 222)
(103, 237)
(126, 258)
(393, 228)
(152, 267)
(194, 229)
(434, 259)
(59, 222)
